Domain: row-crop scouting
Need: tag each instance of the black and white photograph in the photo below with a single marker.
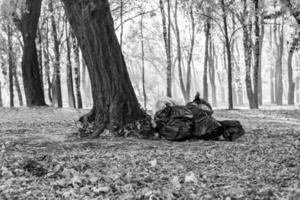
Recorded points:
(150, 99)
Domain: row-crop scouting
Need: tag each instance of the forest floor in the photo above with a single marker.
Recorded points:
(263, 164)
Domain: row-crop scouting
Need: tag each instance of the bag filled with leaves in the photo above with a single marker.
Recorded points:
(174, 123)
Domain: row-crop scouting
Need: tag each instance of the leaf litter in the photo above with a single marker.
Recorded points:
(41, 159)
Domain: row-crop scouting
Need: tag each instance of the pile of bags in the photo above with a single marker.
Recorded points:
(195, 120)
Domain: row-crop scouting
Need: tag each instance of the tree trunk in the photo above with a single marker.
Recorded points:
(291, 92)
(261, 39)
(71, 96)
(121, 23)
(212, 73)
(207, 40)
(56, 85)
(10, 65)
(28, 25)
(77, 71)
(191, 51)
(115, 103)
(247, 29)
(1, 101)
(17, 84)
(167, 42)
(40, 56)
(143, 62)
(256, 55)
(278, 67)
(229, 70)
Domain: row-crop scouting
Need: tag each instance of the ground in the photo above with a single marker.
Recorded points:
(41, 158)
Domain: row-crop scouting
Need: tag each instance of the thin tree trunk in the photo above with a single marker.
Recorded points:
(179, 54)
(40, 56)
(212, 73)
(143, 62)
(278, 68)
(71, 96)
(121, 23)
(291, 92)
(47, 62)
(28, 25)
(1, 101)
(17, 84)
(247, 29)
(207, 40)
(56, 85)
(191, 50)
(167, 42)
(256, 55)
(229, 70)
(115, 103)
(10, 65)
(261, 39)
(77, 71)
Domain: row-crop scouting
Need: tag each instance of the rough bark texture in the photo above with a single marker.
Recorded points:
(17, 84)
(28, 25)
(77, 71)
(1, 101)
(115, 103)
(56, 85)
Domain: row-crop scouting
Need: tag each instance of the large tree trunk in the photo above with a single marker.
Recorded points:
(256, 55)
(291, 92)
(10, 65)
(115, 103)
(28, 25)
(71, 96)
(77, 71)
(56, 85)
(227, 44)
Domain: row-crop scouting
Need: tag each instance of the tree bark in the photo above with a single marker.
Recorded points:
(256, 56)
(167, 42)
(28, 25)
(47, 63)
(115, 103)
(291, 92)
(56, 85)
(278, 68)
(261, 40)
(143, 62)
(71, 96)
(207, 40)
(227, 43)
(212, 73)
(17, 84)
(10, 65)
(247, 29)
(77, 71)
